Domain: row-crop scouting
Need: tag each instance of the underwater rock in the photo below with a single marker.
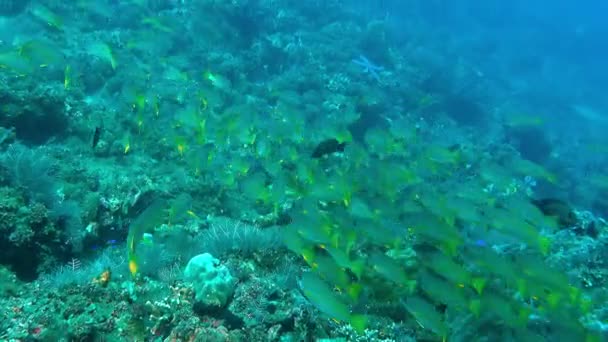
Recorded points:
(588, 224)
(7, 135)
(328, 146)
(28, 110)
(559, 209)
(97, 74)
(232, 321)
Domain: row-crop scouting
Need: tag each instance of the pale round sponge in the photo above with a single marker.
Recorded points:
(213, 284)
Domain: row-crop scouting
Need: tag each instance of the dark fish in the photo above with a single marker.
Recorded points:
(559, 209)
(328, 146)
(96, 136)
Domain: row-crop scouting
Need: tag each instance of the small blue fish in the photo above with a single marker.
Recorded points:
(147, 239)
(481, 243)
